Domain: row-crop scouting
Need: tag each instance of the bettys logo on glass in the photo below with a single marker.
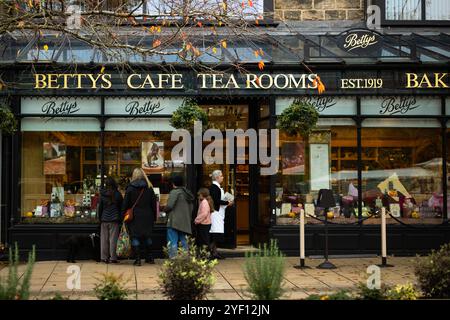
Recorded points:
(63, 108)
(355, 40)
(135, 108)
(394, 105)
(320, 103)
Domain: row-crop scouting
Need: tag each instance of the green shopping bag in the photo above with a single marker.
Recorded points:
(123, 249)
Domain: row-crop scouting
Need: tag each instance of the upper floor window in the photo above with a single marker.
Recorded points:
(212, 8)
(415, 11)
(147, 10)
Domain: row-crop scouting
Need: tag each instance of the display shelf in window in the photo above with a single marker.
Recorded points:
(75, 208)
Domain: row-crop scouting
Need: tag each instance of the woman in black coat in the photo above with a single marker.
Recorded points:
(140, 193)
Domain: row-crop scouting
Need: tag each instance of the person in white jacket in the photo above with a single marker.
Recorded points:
(218, 216)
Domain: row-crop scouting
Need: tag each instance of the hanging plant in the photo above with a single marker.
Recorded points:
(185, 116)
(8, 122)
(299, 118)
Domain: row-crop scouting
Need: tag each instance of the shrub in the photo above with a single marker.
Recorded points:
(433, 273)
(8, 122)
(14, 288)
(299, 118)
(264, 271)
(340, 295)
(365, 293)
(185, 116)
(402, 292)
(187, 276)
(111, 287)
(59, 296)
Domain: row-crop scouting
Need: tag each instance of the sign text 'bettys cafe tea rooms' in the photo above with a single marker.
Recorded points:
(225, 81)
(164, 81)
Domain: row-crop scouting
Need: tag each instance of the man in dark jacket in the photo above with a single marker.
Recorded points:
(140, 194)
(179, 221)
(109, 209)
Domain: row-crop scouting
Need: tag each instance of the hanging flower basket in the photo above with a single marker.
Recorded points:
(299, 118)
(185, 116)
(8, 122)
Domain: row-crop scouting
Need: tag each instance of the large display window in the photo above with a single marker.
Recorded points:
(62, 152)
(60, 177)
(328, 160)
(402, 169)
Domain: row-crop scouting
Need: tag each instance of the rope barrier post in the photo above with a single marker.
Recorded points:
(383, 240)
(302, 241)
(326, 264)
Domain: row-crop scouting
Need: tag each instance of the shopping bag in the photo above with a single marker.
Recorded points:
(123, 249)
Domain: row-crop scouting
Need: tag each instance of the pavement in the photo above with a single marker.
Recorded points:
(50, 277)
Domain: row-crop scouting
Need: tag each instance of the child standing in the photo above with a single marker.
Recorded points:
(203, 219)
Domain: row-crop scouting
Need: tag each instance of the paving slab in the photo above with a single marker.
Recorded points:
(50, 277)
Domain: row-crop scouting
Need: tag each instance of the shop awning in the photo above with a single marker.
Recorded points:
(287, 48)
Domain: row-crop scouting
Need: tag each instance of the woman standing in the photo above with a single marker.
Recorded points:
(140, 194)
(218, 216)
(179, 220)
(109, 212)
(203, 219)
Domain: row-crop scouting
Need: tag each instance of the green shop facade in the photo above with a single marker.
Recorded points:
(381, 140)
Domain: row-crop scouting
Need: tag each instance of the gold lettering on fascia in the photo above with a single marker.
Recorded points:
(253, 81)
(435, 80)
(371, 83)
(76, 80)
(212, 81)
(161, 81)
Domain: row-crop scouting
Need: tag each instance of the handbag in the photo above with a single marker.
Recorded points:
(129, 213)
(123, 248)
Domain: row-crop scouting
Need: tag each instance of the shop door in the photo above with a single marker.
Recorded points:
(236, 176)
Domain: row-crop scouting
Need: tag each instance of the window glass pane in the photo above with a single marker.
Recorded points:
(402, 170)
(327, 161)
(400, 106)
(60, 124)
(125, 151)
(253, 9)
(60, 177)
(437, 9)
(325, 105)
(344, 170)
(403, 9)
(138, 124)
(264, 189)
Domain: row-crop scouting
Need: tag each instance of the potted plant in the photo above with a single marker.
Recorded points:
(8, 122)
(185, 116)
(299, 118)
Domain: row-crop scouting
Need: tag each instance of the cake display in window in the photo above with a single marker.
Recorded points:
(152, 156)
